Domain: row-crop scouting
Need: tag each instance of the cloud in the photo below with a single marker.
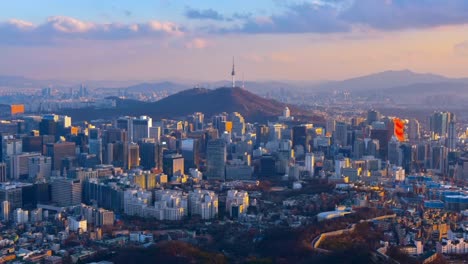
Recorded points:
(461, 49)
(57, 28)
(332, 16)
(197, 43)
(405, 14)
(204, 14)
(299, 18)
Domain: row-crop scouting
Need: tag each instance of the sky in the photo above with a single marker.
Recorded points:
(196, 40)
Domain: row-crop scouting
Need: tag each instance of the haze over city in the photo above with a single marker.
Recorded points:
(271, 40)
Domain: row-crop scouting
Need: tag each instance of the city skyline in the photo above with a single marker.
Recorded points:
(274, 40)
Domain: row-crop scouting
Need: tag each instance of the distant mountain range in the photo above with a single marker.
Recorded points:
(208, 101)
(403, 86)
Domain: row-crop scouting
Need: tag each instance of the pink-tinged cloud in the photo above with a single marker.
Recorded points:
(197, 43)
(56, 28)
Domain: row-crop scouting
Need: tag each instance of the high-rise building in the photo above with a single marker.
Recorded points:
(18, 165)
(95, 148)
(414, 133)
(133, 155)
(66, 192)
(301, 137)
(189, 149)
(32, 144)
(372, 116)
(155, 133)
(59, 151)
(173, 164)
(216, 155)
(141, 127)
(11, 146)
(238, 124)
(39, 167)
(150, 154)
(6, 211)
(439, 121)
(13, 194)
(262, 135)
(341, 134)
(310, 163)
(452, 136)
(3, 172)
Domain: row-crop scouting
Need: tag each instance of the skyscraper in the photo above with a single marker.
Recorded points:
(238, 124)
(59, 151)
(66, 192)
(173, 164)
(133, 156)
(141, 127)
(215, 159)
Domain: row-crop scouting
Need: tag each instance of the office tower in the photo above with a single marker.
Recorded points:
(94, 133)
(238, 124)
(155, 133)
(330, 126)
(438, 159)
(197, 119)
(125, 123)
(267, 166)
(150, 154)
(310, 163)
(216, 155)
(11, 146)
(275, 132)
(3, 172)
(452, 136)
(383, 136)
(95, 148)
(32, 144)
(6, 211)
(217, 121)
(117, 154)
(371, 147)
(13, 194)
(59, 151)
(133, 156)
(439, 121)
(262, 135)
(393, 151)
(42, 192)
(112, 135)
(372, 116)
(190, 151)
(341, 134)
(406, 157)
(39, 167)
(359, 148)
(49, 125)
(414, 133)
(173, 164)
(66, 192)
(301, 137)
(18, 165)
(140, 128)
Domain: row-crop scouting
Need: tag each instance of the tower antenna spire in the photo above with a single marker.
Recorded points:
(233, 74)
